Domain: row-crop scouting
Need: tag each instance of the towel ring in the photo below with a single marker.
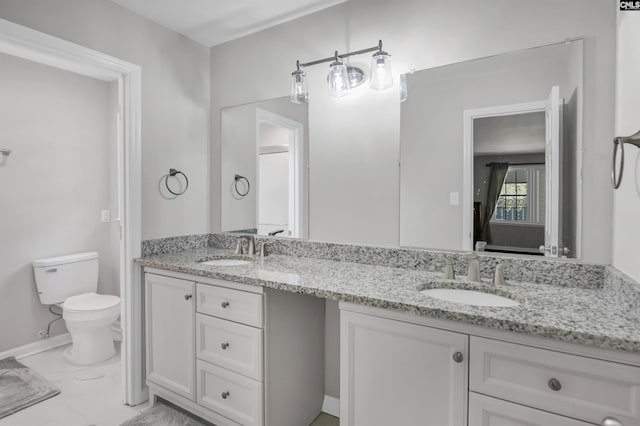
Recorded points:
(618, 145)
(173, 173)
(235, 185)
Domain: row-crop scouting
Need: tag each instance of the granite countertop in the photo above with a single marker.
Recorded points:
(576, 315)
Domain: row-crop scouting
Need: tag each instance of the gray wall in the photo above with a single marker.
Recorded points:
(419, 34)
(54, 185)
(175, 98)
(175, 133)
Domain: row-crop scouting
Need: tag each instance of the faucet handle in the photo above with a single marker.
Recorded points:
(498, 277)
(239, 245)
(448, 272)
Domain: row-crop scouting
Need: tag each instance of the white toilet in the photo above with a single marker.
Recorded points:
(70, 282)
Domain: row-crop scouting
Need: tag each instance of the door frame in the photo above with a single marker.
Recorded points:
(297, 178)
(36, 46)
(467, 156)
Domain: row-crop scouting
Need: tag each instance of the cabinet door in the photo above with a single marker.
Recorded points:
(487, 411)
(396, 373)
(170, 332)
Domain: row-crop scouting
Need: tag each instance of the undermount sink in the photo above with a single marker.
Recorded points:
(470, 297)
(225, 262)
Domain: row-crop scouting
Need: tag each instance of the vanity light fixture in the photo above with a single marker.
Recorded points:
(299, 92)
(343, 78)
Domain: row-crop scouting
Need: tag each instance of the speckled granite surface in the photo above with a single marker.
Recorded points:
(560, 272)
(583, 315)
(174, 244)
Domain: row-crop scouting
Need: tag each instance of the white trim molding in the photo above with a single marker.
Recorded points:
(331, 406)
(36, 46)
(37, 347)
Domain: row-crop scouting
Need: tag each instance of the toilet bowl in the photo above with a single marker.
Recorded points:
(88, 318)
(70, 282)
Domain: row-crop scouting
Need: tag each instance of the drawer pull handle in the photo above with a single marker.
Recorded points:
(610, 421)
(554, 384)
(458, 357)
(187, 296)
(224, 346)
(225, 395)
(225, 305)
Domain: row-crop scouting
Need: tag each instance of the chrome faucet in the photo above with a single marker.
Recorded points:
(448, 272)
(251, 244)
(239, 245)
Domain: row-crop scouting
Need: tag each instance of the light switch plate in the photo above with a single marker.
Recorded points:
(454, 198)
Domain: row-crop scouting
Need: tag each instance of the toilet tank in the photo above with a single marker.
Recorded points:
(60, 277)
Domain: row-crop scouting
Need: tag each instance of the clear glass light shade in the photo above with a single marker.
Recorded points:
(338, 79)
(299, 91)
(381, 77)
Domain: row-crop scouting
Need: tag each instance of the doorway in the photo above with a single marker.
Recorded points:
(280, 164)
(513, 180)
(35, 46)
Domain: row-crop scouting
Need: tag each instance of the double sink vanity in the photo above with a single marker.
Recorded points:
(244, 343)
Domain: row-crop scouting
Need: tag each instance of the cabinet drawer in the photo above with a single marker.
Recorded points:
(229, 394)
(487, 411)
(579, 387)
(230, 345)
(232, 305)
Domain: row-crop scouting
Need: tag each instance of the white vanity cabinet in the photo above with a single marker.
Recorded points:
(403, 369)
(234, 354)
(170, 337)
(397, 373)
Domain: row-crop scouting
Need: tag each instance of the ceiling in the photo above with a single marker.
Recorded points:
(212, 22)
(510, 134)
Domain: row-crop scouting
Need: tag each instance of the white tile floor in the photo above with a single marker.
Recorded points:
(90, 395)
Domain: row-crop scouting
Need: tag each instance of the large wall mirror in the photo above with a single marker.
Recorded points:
(264, 172)
(488, 152)
(499, 136)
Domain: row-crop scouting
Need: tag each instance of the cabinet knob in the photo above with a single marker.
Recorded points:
(224, 346)
(610, 421)
(458, 357)
(187, 296)
(554, 384)
(225, 305)
(225, 395)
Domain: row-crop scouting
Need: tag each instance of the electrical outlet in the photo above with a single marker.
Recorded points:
(454, 198)
(105, 215)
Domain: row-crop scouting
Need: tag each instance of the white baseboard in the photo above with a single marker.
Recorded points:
(331, 406)
(116, 331)
(37, 347)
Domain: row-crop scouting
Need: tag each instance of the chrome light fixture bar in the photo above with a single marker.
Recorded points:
(342, 78)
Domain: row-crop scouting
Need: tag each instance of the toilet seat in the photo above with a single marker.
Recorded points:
(90, 306)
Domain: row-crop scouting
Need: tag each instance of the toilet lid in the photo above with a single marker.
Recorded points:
(90, 302)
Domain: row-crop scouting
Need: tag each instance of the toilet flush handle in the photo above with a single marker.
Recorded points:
(52, 270)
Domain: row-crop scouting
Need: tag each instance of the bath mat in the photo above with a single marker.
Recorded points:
(165, 415)
(21, 387)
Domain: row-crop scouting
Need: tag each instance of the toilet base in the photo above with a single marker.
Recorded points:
(92, 343)
(67, 354)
